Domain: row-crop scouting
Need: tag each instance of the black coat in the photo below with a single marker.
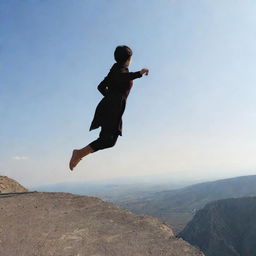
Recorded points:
(115, 88)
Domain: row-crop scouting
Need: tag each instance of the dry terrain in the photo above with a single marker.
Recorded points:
(62, 224)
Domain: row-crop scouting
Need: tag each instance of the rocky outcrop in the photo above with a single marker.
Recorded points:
(8, 185)
(224, 227)
(62, 224)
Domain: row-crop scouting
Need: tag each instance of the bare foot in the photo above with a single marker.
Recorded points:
(75, 159)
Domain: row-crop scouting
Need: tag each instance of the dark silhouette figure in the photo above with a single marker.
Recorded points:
(108, 115)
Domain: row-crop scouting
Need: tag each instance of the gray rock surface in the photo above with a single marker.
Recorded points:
(62, 224)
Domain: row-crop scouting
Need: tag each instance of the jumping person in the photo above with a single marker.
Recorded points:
(108, 115)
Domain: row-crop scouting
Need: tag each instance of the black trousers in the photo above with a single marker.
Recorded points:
(107, 139)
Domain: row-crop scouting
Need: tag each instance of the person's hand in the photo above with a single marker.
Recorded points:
(144, 70)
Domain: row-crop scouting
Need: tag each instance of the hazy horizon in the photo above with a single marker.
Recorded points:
(148, 180)
(193, 117)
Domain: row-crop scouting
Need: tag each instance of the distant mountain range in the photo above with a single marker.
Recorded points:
(225, 227)
(177, 207)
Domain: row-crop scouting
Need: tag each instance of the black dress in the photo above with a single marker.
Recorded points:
(115, 88)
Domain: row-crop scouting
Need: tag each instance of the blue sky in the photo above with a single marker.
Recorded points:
(193, 115)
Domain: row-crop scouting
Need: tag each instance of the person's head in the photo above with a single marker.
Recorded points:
(123, 54)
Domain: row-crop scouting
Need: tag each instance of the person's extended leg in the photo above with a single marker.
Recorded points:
(106, 140)
(78, 154)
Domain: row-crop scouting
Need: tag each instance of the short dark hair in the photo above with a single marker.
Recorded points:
(122, 53)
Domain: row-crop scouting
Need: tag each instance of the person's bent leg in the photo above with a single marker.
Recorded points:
(105, 140)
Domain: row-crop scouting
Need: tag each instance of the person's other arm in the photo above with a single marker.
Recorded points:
(103, 86)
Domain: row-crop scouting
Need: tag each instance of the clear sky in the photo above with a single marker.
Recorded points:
(193, 115)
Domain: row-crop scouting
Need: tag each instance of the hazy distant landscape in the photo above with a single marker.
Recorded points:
(123, 188)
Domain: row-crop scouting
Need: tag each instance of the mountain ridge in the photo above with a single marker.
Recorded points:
(177, 207)
(224, 227)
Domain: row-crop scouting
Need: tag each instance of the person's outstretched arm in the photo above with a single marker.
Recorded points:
(124, 75)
